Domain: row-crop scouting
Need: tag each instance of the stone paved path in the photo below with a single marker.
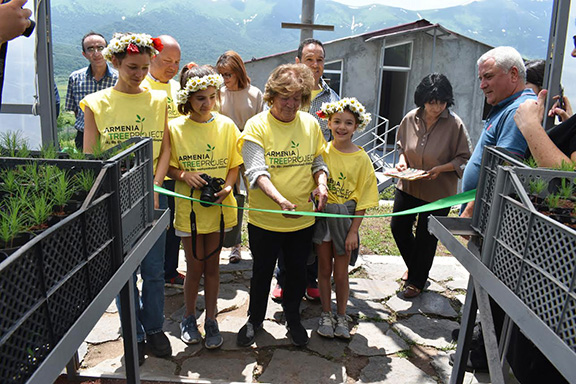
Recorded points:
(393, 340)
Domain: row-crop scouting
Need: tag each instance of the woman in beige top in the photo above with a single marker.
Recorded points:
(239, 101)
(434, 139)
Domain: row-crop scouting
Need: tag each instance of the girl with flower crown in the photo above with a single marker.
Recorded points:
(352, 188)
(114, 115)
(203, 144)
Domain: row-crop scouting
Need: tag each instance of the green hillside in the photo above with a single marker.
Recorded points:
(207, 28)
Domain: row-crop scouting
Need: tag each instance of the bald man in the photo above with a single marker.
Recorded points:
(163, 67)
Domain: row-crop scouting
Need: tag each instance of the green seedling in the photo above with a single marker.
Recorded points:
(49, 151)
(84, 180)
(553, 201)
(536, 186)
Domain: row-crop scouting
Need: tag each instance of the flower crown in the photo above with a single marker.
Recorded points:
(351, 103)
(132, 44)
(195, 84)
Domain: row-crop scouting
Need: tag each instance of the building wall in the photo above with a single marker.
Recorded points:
(455, 57)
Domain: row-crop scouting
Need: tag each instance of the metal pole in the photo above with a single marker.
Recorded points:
(555, 54)
(433, 51)
(307, 18)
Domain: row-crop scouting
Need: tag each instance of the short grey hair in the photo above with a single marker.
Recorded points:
(505, 58)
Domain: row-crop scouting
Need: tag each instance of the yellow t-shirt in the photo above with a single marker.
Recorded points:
(120, 116)
(289, 150)
(314, 93)
(209, 148)
(351, 178)
(170, 89)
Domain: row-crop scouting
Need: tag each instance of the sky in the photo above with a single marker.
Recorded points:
(413, 5)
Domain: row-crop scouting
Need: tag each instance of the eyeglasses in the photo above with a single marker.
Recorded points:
(98, 48)
(227, 75)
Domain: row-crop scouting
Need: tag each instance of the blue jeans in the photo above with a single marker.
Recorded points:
(149, 302)
(172, 247)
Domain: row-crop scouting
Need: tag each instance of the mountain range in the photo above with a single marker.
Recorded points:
(207, 28)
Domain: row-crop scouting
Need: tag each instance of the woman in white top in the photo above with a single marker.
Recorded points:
(239, 101)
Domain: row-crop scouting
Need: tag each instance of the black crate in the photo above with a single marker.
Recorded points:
(52, 288)
(133, 165)
(50, 281)
(135, 188)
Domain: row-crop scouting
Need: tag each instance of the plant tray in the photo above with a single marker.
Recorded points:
(532, 254)
(133, 183)
(49, 282)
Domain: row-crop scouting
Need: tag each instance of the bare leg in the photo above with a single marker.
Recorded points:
(194, 271)
(341, 280)
(211, 273)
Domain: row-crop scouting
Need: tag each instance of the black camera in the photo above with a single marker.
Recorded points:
(28, 31)
(214, 185)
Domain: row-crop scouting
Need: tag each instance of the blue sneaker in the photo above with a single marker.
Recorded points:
(189, 330)
(213, 337)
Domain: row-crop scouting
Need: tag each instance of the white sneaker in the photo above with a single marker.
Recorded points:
(341, 330)
(326, 325)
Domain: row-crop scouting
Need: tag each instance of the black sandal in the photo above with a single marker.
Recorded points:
(411, 291)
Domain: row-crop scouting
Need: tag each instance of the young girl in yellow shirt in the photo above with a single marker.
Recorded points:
(203, 142)
(352, 188)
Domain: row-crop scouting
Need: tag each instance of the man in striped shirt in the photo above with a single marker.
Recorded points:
(311, 53)
(95, 77)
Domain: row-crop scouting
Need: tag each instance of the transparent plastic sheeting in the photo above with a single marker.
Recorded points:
(19, 87)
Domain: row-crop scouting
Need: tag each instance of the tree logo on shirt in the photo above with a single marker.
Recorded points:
(210, 150)
(290, 157)
(341, 178)
(296, 147)
(140, 120)
(337, 187)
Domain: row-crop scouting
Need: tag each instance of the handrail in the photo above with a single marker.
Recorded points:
(375, 144)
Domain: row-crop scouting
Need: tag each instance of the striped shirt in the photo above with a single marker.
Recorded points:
(326, 95)
(82, 83)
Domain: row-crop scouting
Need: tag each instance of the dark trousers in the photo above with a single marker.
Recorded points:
(79, 140)
(311, 272)
(265, 247)
(172, 248)
(417, 248)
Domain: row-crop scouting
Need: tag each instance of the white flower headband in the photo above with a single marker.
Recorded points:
(131, 44)
(328, 109)
(195, 84)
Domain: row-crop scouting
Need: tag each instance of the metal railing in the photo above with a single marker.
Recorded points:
(377, 147)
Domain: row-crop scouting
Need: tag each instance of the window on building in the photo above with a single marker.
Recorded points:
(398, 56)
(333, 75)
(395, 71)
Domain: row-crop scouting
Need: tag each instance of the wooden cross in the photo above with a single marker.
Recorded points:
(307, 26)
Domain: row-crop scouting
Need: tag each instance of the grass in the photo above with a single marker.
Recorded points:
(375, 234)
(406, 354)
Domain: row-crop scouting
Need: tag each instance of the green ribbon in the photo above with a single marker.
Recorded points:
(446, 202)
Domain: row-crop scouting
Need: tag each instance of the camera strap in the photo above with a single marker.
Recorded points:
(195, 232)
